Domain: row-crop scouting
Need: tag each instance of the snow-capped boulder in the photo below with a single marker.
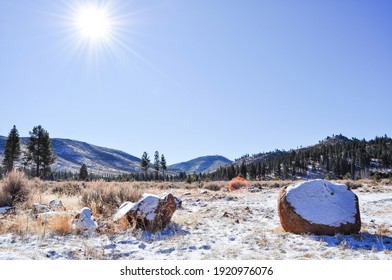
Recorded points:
(85, 220)
(319, 207)
(40, 208)
(151, 213)
(56, 205)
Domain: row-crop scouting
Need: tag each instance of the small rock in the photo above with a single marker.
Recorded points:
(56, 204)
(85, 220)
(40, 208)
(226, 215)
(205, 247)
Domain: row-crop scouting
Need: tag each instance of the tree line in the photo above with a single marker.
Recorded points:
(349, 158)
(336, 158)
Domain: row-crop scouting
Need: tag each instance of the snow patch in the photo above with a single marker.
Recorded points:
(123, 210)
(147, 206)
(323, 202)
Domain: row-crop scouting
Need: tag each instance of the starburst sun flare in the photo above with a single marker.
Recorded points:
(93, 23)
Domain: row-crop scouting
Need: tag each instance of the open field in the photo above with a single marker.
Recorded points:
(212, 224)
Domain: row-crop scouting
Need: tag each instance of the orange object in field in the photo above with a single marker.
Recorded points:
(237, 183)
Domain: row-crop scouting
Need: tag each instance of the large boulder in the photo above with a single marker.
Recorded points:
(151, 213)
(319, 207)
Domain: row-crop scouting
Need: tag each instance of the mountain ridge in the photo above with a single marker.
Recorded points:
(72, 154)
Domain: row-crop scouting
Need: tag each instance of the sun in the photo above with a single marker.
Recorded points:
(93, 23)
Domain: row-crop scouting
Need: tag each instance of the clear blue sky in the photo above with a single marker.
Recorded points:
(194, 78)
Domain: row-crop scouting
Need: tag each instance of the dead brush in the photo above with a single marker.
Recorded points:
(61, 224)
(118, 226)
(214, 186)
(15, 188)
(383, 230)
(23, 225)
(67, 188)
(104, 198)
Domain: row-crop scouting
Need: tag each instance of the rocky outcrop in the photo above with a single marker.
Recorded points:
(151, 213)
(319, 207)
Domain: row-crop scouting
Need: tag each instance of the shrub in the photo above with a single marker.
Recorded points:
(353, 185)
(67, 188)
(61, 224)
(213, 186)
(237, 183)
(15, 188)
(104, 199)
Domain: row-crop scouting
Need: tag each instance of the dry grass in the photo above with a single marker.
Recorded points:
(104, 198)
(215, 186)
(61, 224)
(15, 189)
(383, 230)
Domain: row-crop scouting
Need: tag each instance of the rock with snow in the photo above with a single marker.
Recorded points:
(151, 213)
(319, 207)
(56, 205)
(177, 200)
(40, 208)
(85, 220)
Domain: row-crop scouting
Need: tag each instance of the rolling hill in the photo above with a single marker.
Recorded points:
(72, 154)
(200, 165)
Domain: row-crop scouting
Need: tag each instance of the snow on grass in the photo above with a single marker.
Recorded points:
(218, 225)
(323, 202)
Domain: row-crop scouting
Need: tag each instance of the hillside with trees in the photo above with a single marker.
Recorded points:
(335, 157)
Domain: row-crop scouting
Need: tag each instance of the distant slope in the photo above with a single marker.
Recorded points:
(333, 157)
(200, 165)
(72, 154)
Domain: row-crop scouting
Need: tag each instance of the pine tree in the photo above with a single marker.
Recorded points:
(243, 170)
(145, 163)
(11, 150)
(83, 173)
(163, 166)
(39, 151)
(157, 164)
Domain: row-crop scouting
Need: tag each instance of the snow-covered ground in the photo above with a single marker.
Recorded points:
(221, 225)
